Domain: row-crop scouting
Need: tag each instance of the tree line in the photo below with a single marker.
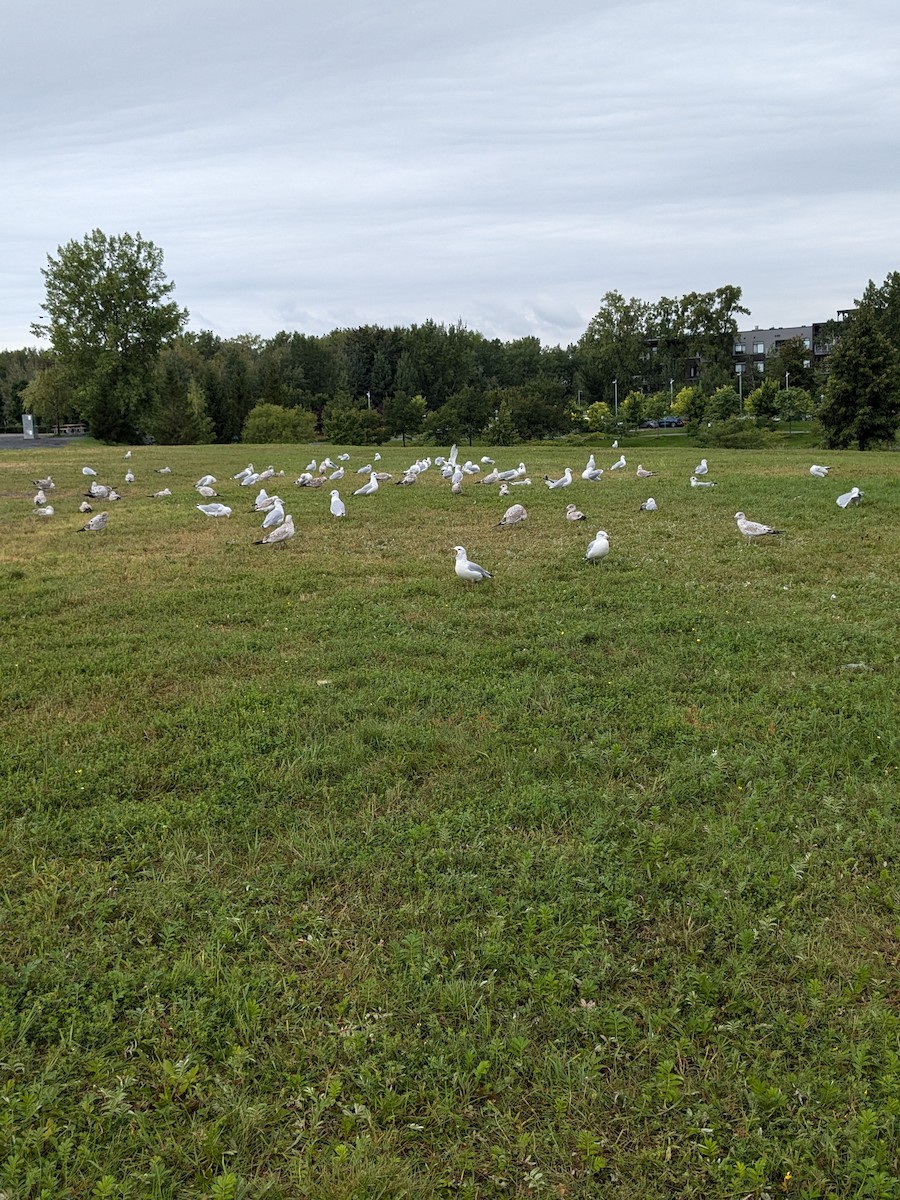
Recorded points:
(121, 359)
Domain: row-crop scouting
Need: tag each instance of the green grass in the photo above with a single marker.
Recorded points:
(327, 875)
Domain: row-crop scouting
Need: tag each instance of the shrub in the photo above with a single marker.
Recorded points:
(273, 423)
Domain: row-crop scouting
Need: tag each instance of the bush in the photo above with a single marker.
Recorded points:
(272, 423)
(734, 434)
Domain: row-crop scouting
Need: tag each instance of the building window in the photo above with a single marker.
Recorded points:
(740, 348)
(760, 366)
(739, 369)
(806, 363)
(759, 347)
(806, 343)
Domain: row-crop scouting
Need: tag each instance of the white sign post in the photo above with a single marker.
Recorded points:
(27, 425)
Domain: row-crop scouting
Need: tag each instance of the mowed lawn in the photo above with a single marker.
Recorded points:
(328, 875)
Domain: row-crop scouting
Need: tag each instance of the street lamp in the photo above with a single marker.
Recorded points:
(616, 398)
(787, 380)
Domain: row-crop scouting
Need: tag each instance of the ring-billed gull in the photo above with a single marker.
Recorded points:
(508, 476)
(280, 534)
(368, 489)
(338, 507)
(642, 474)
(336, 475)
(46, 485)
(469, 571)
(818, 471)
(128, 454)
(649, 505)
(274, 516)
(129, 476)
(366, 470)
(84, 507)
(164, 470)
(100, 521)
(161, 495)
(46, 511)
(598, 547)
(514, 515)
(695, 482)
(620, 465)
(562, 482)
(39, 498)
(208, 493)
(205, 481)
(574, 514)
(214, 510)
(754, 529)
(848, 498)
(701, 467)
(88, 471)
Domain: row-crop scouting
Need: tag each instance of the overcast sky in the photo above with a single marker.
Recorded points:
(315, 165)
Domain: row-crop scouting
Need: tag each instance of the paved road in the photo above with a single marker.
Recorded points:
(15, 441)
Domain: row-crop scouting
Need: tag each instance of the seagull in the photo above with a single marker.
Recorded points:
(848, 498)
(39, 498)
(377, 457)
(574, 514)
(505, 476)
(205, 481)
(46, 485)
(469, 571)
(336, 475)
(562, 482)
(250, 480)
(487, 461)
(456, 479)
(620, 465)
(88, 471)
(592, 473)
(128, 454)
(113, 495)
(84, 507)
(214, 510)
(491, 477)
(46, 511)
(407, 479)
(268, 473)
(615, 445)
(338, 507)
(753, 529)
(695, 482)
(263, 501)
(95, 523)
(366, 470)
(368, 489)
(343, 457)
(206, 492)
(129, 476)
(248, 470)
(649, 505)
(164, 470)
(701, 467)
(160, 495)
(513, 515)
(98, 491)
(520, 483)
(274, 516)
(504, 489)
(642, 474)
(382, 476)
(312, 467)
(282, 533)
(598, 548)
(819, 472)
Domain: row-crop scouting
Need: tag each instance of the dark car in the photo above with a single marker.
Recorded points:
(648, 425)
(672, 423)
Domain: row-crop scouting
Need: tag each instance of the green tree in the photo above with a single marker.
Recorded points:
(723, 403)
(763, 400)
(792, 360)
(598, 416)
(274, 423)
(49, 397)
(862, 395)
(108, 316)
(633, 408)
(403, 414)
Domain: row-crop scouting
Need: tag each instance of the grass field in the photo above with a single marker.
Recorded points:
(328, 875)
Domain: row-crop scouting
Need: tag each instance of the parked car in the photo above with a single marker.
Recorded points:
(648, 425)
(672, 423)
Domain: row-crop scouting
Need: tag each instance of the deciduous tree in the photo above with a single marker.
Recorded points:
(108, 316)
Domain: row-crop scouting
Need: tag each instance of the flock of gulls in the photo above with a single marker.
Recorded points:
(277, 525)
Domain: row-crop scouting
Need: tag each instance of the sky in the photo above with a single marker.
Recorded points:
(503, 163)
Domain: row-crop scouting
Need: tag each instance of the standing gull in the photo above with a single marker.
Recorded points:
(620, 465)
(338, 507)
(368, 489)
(598, 548)
(513, 515)
(469, 571)
(562, 482)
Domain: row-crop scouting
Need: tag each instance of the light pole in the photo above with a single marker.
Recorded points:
(741, 392)
(671, 392)
(616, 398)
(787, 380)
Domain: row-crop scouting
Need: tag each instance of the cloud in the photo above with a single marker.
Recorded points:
(338, 165)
